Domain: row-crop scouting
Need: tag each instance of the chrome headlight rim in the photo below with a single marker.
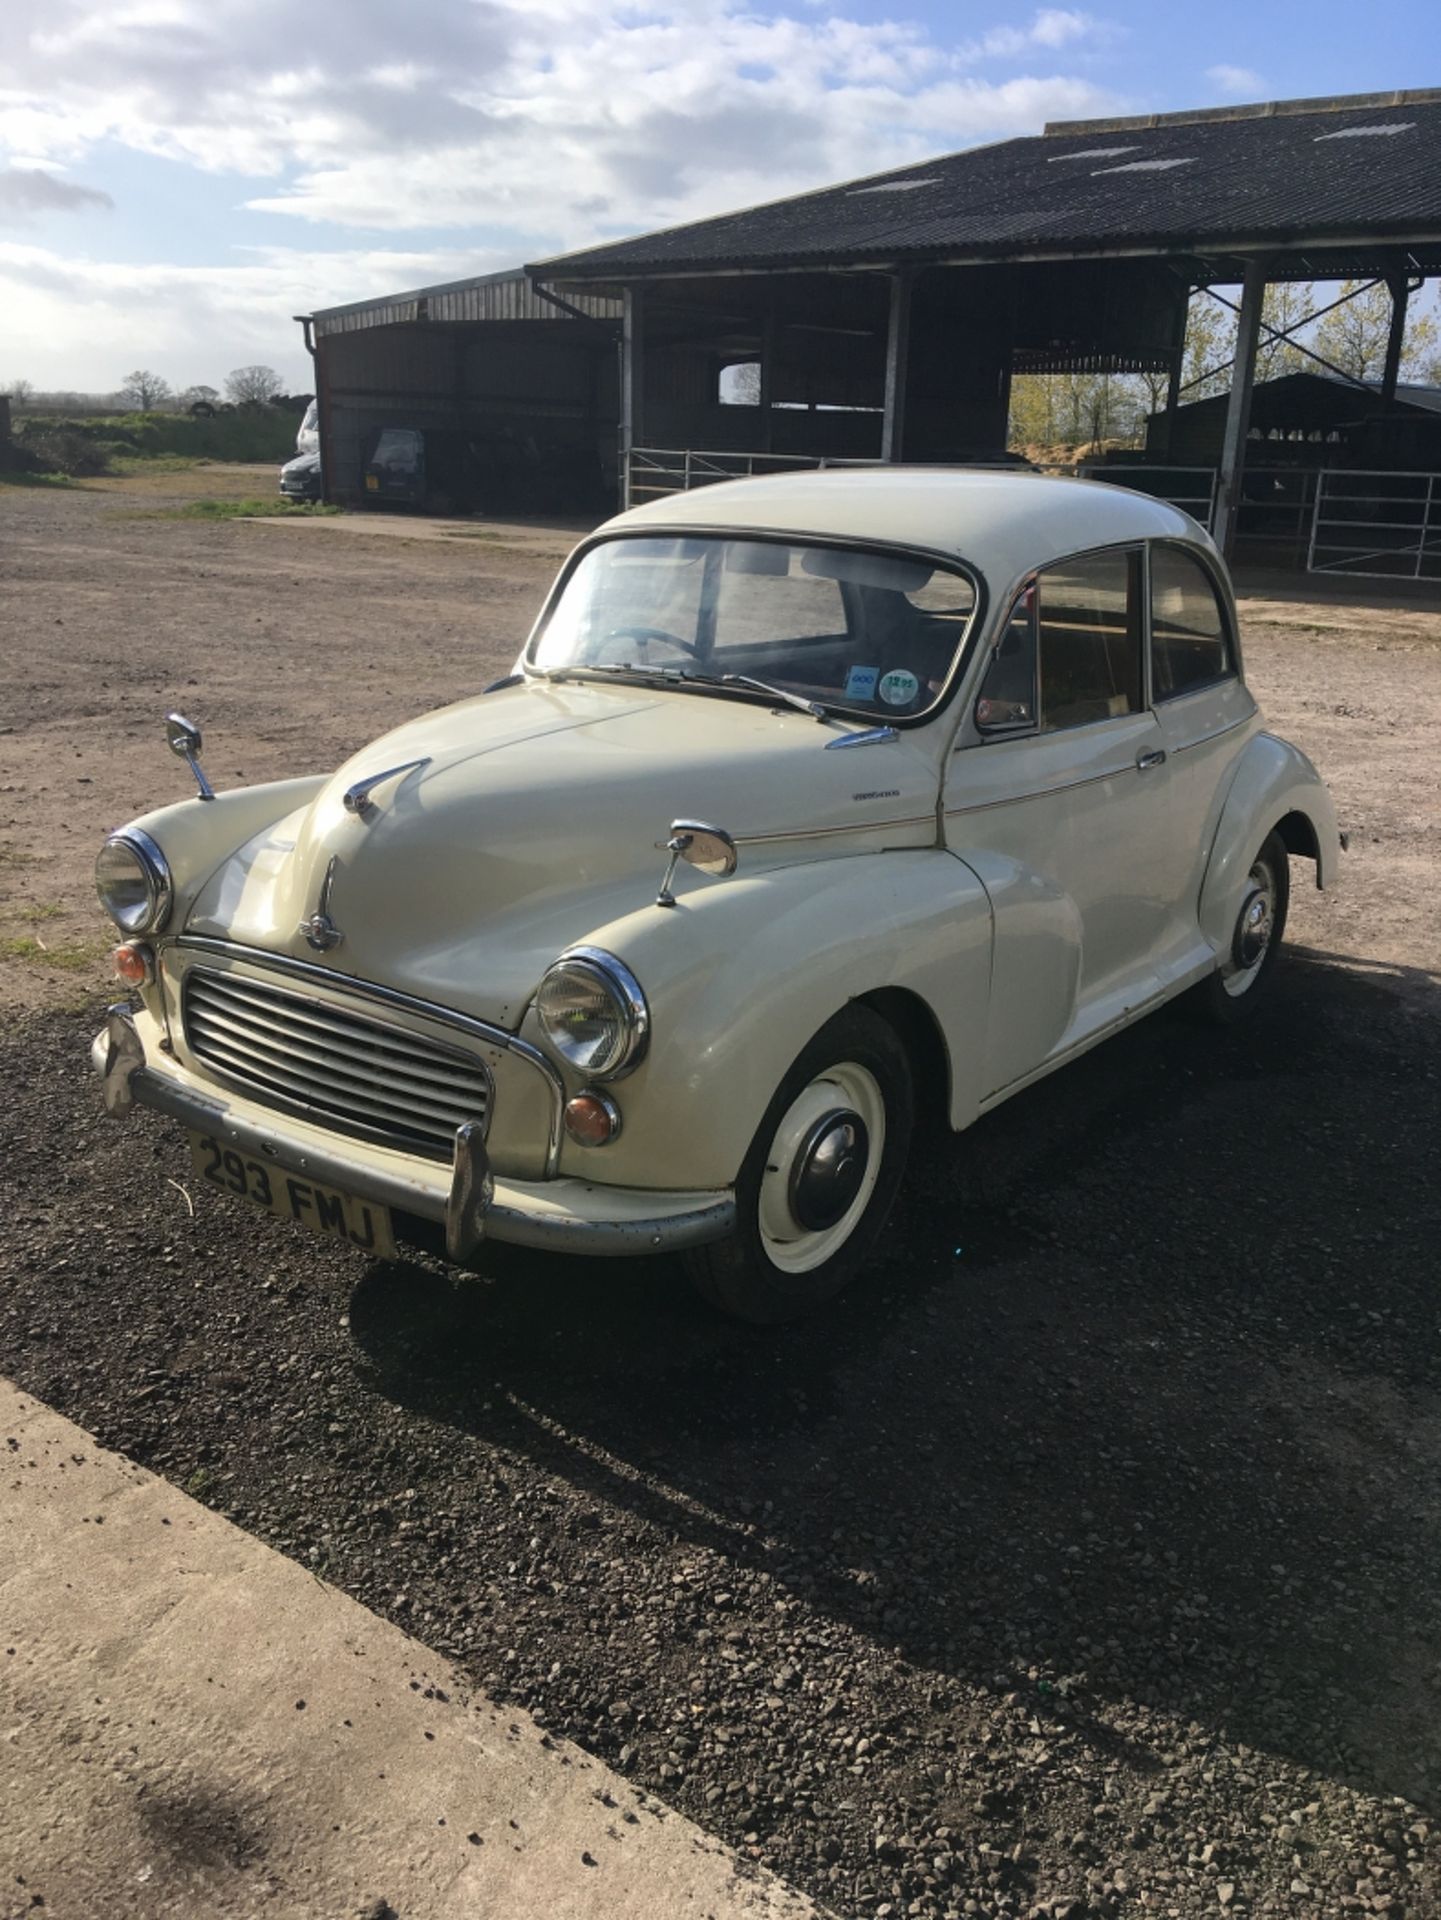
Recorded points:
(155, 869)
(629, 996)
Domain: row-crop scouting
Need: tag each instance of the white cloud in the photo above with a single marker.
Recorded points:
(534, 125)
(556, 120)
(79, 322)
(1237, 83)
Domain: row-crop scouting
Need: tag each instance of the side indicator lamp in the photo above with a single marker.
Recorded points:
(135, 963)
(592, 1119)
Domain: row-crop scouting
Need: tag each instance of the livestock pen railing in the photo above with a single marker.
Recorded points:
(655, 471)
(1378, 524)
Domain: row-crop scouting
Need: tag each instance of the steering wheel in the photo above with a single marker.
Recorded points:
(646, 634)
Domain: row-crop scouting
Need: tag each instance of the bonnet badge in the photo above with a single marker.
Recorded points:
(320, 930)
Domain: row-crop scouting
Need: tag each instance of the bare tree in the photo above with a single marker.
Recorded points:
(252, 386)
(144, 391)
(192, 394)
(19, 391)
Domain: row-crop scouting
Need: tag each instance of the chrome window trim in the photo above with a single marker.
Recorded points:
(157, 871)
(634, 1007)
(405, 1003)
(961, 660)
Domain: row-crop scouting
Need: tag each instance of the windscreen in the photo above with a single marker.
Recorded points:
(845, 626)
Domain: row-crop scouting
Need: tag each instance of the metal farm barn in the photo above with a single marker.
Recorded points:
(884, 319)
(514, 390)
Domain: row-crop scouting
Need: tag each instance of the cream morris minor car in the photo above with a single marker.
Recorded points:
(817, 808)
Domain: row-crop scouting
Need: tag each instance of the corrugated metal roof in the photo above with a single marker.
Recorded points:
(490, 296)
(1346, 171)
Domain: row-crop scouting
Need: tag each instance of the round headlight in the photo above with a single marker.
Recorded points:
(133, 882)
(593, 1013)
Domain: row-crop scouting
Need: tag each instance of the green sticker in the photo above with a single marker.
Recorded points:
(898, 687)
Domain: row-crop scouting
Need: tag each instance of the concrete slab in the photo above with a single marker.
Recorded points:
(191, 1724)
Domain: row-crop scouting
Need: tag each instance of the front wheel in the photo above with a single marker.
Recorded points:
(1235, 989)
(820, 1176)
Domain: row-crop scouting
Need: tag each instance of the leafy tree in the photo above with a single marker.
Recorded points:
(252, 386)
(1353, 337)
(144, 391)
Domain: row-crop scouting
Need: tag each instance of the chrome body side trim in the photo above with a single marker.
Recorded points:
(1043, 793)
(827, 833)
(404, 1003)
(1231, 726)
(467, 1202)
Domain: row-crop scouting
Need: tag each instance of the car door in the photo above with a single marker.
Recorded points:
(1056, 798)
(1206, 716)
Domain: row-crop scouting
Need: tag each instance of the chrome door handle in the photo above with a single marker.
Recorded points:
(1155, 758)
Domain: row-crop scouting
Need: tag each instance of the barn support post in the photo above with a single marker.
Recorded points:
(1400, 291)
(1238, 406)
(1174, 371)
(768, 369)
(632, 383)
(898, 346)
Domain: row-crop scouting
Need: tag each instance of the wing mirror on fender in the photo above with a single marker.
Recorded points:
(709, 849)
(183, 738)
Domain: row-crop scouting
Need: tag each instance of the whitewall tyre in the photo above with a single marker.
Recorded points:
(820, 1175)
(1237, 987)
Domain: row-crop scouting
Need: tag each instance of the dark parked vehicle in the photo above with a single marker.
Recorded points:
(300, 478)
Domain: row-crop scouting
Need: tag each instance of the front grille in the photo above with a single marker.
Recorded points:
(342, 1068)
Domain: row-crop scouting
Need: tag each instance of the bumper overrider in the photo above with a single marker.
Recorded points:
(564, 1215)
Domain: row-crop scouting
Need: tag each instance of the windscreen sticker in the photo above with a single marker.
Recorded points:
(861, 683)
(899, 688)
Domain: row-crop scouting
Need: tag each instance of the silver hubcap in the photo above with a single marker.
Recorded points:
(1255, 925)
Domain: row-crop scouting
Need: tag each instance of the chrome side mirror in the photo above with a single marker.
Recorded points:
(183, 738)
(709, 849)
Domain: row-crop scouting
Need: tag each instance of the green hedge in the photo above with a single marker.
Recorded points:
(264, 435)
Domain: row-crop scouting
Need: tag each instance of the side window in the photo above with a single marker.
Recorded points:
(1189, 644)
(1007, 700)
(1090, 639)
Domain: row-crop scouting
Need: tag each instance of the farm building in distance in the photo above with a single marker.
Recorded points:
(511, 392)
(1303, 419)
(884, 319)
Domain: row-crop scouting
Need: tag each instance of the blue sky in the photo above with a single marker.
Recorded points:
(179, 177)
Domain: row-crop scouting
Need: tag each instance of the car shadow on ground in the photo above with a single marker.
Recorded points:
(1140, 1393)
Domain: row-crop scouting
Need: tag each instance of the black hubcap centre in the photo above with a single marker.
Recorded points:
(827, 1172)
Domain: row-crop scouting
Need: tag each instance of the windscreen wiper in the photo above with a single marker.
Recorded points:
(686, 677)
(796, 700)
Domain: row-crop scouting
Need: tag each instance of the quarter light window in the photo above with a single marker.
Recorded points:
(1189, 645)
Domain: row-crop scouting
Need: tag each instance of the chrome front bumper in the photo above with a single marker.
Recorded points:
(557, 1216)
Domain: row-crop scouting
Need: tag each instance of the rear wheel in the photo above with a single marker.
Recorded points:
(820, 1177)
(1238, 985)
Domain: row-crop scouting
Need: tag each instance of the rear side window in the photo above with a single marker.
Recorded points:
(1189, 642)
(1089, 639)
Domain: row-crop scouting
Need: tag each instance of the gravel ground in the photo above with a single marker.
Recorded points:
(1085, 1562)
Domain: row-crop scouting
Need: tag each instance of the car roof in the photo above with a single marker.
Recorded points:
(1003, 523)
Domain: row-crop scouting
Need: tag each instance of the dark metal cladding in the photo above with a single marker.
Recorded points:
(1346, 172)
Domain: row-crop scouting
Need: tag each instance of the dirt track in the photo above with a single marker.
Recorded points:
(1082, 1562)
(294, 644)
